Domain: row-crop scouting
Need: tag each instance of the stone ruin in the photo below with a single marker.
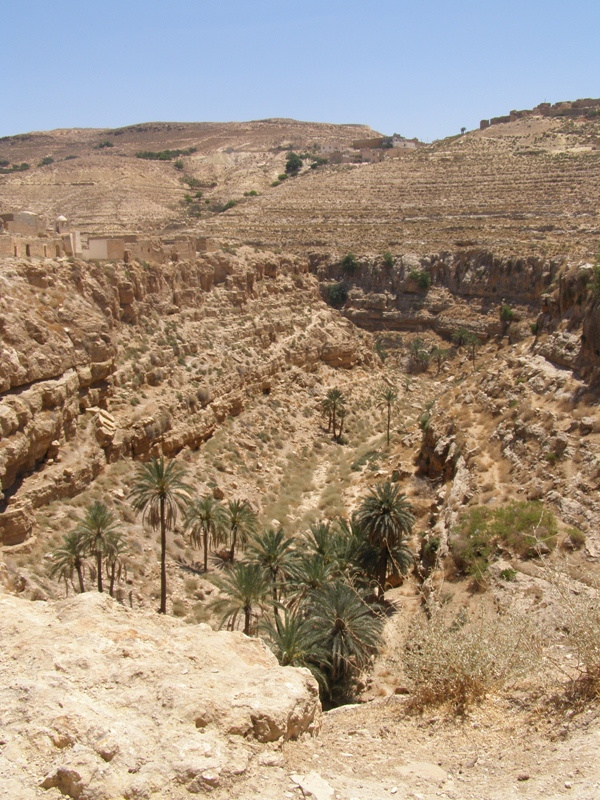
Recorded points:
(587, 107)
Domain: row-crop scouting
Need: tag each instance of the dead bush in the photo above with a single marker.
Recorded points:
(580, 626)
(456, 659)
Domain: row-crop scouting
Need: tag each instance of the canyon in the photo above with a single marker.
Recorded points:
(222, 361)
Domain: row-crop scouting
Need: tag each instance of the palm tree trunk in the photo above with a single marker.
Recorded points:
(333, 419)
(275, 598)
(233, 543)
(247, 617)
(388, 424)
(205, 540)
(99, 568)
(163, 559)
(80, 576)
(113, 572)
(382, 571)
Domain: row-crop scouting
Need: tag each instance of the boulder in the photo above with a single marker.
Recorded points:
(102, 701)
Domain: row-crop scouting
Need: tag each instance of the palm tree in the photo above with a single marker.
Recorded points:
(160, 492)
(296, 644)
(116, 547)
(274, 552)
(335, 401)
(310, 572)
(345, 627)
(206, 520)
(96, 528)
(439, 355)
(321, 540)
(385, 517)
(244, 586)
(388, 399)
(242, 522)
(68, 557)
(327, 408)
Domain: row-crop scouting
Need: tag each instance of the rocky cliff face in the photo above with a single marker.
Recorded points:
(101, 361)
(102, 702)
(439, 292)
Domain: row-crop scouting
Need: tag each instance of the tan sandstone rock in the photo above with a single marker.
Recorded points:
(100, 702)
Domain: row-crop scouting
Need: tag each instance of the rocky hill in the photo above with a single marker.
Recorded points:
(95, 179)
(519, 188)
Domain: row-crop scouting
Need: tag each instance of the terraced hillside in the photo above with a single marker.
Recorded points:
(529, 186)
(94, 178)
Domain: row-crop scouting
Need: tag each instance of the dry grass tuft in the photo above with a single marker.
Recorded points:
(580, 625)
(457, 659)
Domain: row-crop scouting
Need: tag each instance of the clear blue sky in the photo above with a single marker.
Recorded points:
(417, 68)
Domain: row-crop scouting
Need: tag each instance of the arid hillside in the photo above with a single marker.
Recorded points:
(529, 186)
(524, 187)
(94, 177)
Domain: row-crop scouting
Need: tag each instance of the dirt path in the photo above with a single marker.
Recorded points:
(376, 751)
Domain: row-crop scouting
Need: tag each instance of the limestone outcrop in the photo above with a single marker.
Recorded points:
(105, 361)
(99, 702)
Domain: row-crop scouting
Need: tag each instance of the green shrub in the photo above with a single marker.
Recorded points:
(45, 161)
(526, 527)
(349, 264)
(166, 155)
(104, 144)
(178, 164)
(425, 421)
(508, 574)
(251, 193)
(576, 538)
(23, 167)
(293, 164)
(422, 277)
(507, 314)
(595, 279)
(337, 294)
(380, 350)
(193, 183)
(388, 259)
(219, 208)
(70, 158)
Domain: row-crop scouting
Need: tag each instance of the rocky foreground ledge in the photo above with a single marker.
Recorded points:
(98, 701)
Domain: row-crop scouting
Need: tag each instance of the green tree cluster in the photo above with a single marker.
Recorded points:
(96, 536)
(312, 597)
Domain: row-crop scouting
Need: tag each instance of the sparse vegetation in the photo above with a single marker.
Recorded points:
(457, 659)
(526, 527)
(165, 155)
